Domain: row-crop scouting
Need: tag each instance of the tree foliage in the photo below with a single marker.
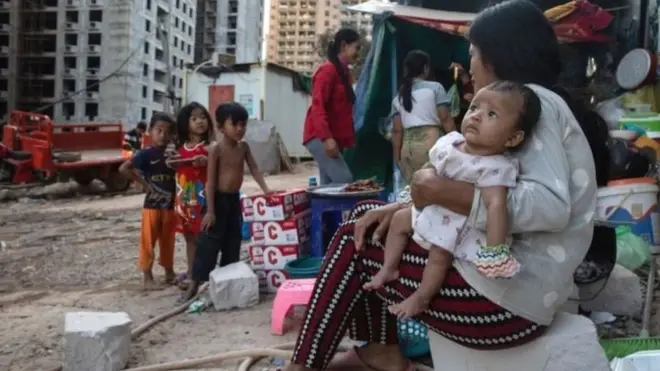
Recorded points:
(325, 38)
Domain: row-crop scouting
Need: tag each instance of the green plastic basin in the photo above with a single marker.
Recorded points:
(306, 267)
(648, 123)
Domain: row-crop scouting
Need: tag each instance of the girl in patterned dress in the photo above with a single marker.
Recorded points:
(194, 135)
(500, 117)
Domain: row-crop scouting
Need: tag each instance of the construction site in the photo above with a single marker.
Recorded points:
(63, 57)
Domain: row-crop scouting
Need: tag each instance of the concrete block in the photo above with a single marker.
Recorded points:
(622, 294)
(571, 343)
(233, 286)
(99, 341)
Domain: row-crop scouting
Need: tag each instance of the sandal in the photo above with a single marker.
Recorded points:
(351, 360)
(183, 285)
(169, 280)
(182, 281)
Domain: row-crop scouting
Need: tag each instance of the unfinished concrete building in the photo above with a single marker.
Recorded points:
(94, 60)
(295, 26)
(232, 27)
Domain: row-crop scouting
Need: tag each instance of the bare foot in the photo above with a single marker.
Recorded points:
(151, 285)
(370, 357)
(414, 305)
(190, 293)
(383, 276)
(170, 276)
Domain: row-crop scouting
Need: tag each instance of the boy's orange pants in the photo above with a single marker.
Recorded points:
(157, 226)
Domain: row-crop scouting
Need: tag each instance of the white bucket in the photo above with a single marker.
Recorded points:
(634, 204)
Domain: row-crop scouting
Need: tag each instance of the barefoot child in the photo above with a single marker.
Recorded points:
(500, 117)
(222, 222)
(148, 167)
(194, 132)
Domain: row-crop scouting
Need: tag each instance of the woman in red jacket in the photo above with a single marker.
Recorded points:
(329, 122)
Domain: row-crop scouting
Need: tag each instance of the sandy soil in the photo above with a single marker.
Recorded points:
(70, 255)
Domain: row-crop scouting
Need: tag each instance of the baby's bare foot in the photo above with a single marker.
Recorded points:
(382, 277)
(414, 305)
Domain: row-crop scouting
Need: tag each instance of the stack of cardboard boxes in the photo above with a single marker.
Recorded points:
(280, 226)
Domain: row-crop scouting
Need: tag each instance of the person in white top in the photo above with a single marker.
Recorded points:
(420, 115)
(500, 120)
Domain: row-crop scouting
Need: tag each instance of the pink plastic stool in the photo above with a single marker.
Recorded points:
(292, 292)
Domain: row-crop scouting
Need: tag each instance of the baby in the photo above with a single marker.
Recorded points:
(500, 117)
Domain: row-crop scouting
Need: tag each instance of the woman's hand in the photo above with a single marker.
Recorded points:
(423, 186)
(331, 148)
(381, 217)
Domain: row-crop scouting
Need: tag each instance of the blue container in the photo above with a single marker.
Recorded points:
(303, 268)
(327, 214)
(413, 338)
(246, 231)
(632, 202)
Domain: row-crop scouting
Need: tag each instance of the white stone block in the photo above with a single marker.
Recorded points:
(622, 294)
(570, 344)
(99, 341)
(233, 286)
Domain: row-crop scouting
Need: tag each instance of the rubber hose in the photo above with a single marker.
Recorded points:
(251, 356)
(180, 309)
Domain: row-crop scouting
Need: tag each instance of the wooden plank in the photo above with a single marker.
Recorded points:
(287, 165)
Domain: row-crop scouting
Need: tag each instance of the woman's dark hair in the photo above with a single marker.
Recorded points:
(516, 40)
(183, 123)
(413, 66)
(531, 108)
(344, 36)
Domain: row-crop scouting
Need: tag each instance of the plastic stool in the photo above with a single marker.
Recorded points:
(290, 293)
(321, 205)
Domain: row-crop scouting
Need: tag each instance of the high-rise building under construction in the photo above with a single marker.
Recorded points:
(94, 60)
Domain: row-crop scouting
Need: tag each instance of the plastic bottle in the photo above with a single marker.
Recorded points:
(246, 232)
(398, 184)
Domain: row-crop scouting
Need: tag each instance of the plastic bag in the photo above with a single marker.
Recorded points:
(631, 251)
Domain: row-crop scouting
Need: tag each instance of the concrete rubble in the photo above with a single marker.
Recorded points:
(622, 294)
(571, 343)
(233, 286)
(99, 341)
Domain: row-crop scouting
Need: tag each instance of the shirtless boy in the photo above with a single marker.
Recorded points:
(221, 225)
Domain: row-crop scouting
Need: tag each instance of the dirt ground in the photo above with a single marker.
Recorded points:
(80, 254)
(72, 255)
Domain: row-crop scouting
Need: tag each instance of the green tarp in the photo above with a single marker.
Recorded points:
(372, 154)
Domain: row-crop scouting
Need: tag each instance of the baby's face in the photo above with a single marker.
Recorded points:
(490, 122)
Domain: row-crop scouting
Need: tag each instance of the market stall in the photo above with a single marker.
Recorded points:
(609, 54)
(399, 29)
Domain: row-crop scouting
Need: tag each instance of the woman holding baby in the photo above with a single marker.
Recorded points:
(550, 213)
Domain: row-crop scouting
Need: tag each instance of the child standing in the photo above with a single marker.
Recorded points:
(194, 131)
(222, 221)
(148, 167)
(500, 117)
